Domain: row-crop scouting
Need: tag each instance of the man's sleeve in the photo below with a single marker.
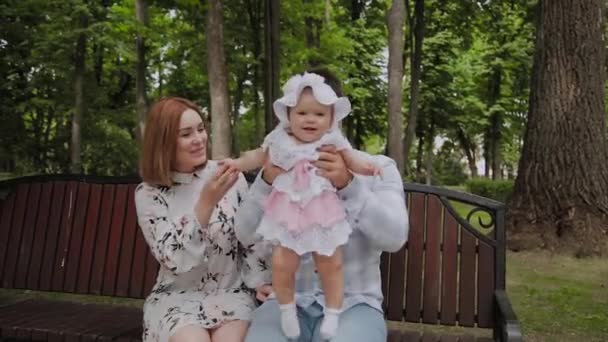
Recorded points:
(377, 208)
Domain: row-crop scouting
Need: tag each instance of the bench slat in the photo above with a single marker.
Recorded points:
(113, 255)
(430, 337)
(417, 214)
(140, 256)
(411, 336)
(89, 240)
(14, 241)
(432, 260)
(394, 336)
(103, 234)
(66, 320)
(466, 303)
(384, 275)
(53, 229)
(25, 248)
(449, 267)
(5, 228)
(485, 277)
(65, 232)
(127, 249)
(76, 238)
(40, 232)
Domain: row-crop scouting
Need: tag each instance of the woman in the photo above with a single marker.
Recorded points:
(185, 208)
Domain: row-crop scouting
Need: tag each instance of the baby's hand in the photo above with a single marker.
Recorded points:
(367, 169)
(376, 171)
(231, 163)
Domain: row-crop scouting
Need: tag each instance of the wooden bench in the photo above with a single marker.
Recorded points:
(79, 234)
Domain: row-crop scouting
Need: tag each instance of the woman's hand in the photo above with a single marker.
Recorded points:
(262, 292)
(214, 191)
(332, 166)
(270, 172)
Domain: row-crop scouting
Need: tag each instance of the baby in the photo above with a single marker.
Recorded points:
(303, 213)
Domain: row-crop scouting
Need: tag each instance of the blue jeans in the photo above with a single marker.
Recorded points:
(359, 323)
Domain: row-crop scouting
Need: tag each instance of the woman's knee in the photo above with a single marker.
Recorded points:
(234, 331)
(190, 333)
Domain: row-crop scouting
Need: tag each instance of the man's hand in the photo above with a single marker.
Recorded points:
(332, 166)
(262, 292)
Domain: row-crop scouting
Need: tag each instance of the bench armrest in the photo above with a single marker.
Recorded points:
(507, 327)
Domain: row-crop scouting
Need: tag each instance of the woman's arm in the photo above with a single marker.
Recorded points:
(177, 243)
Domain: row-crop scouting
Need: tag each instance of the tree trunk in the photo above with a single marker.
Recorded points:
(271, 61)
(396, 16)
(469, 150)
(419, 156)
(98, 51)
(416, 63)
(313, 35)
(560, 200)
(496, 120)
(429, 160)
(79, 70)
(253, 10)
(160, 78)
(487, 154)
(238, 99)
(141, 100)
(218, 83)
(348, 124)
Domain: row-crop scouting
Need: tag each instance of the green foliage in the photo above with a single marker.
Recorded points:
(496, 189)
(464, 41)
(448, 168)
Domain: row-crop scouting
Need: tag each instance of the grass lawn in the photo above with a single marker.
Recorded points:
(559, 298)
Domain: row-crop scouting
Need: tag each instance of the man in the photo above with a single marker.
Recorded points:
(375, 208)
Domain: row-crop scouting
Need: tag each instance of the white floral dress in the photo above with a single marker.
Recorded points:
(204, 272)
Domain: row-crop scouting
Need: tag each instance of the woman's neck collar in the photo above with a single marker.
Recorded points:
(181, 177)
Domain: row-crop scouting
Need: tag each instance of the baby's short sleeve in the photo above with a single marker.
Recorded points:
(337, 139)
(270, 139)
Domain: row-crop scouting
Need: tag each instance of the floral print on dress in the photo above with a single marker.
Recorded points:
(203, 268)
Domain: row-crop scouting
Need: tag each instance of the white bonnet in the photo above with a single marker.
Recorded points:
(320, 90)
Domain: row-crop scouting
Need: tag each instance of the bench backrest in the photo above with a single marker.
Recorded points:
(448, 270)
(80, 235)
(73, 234)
